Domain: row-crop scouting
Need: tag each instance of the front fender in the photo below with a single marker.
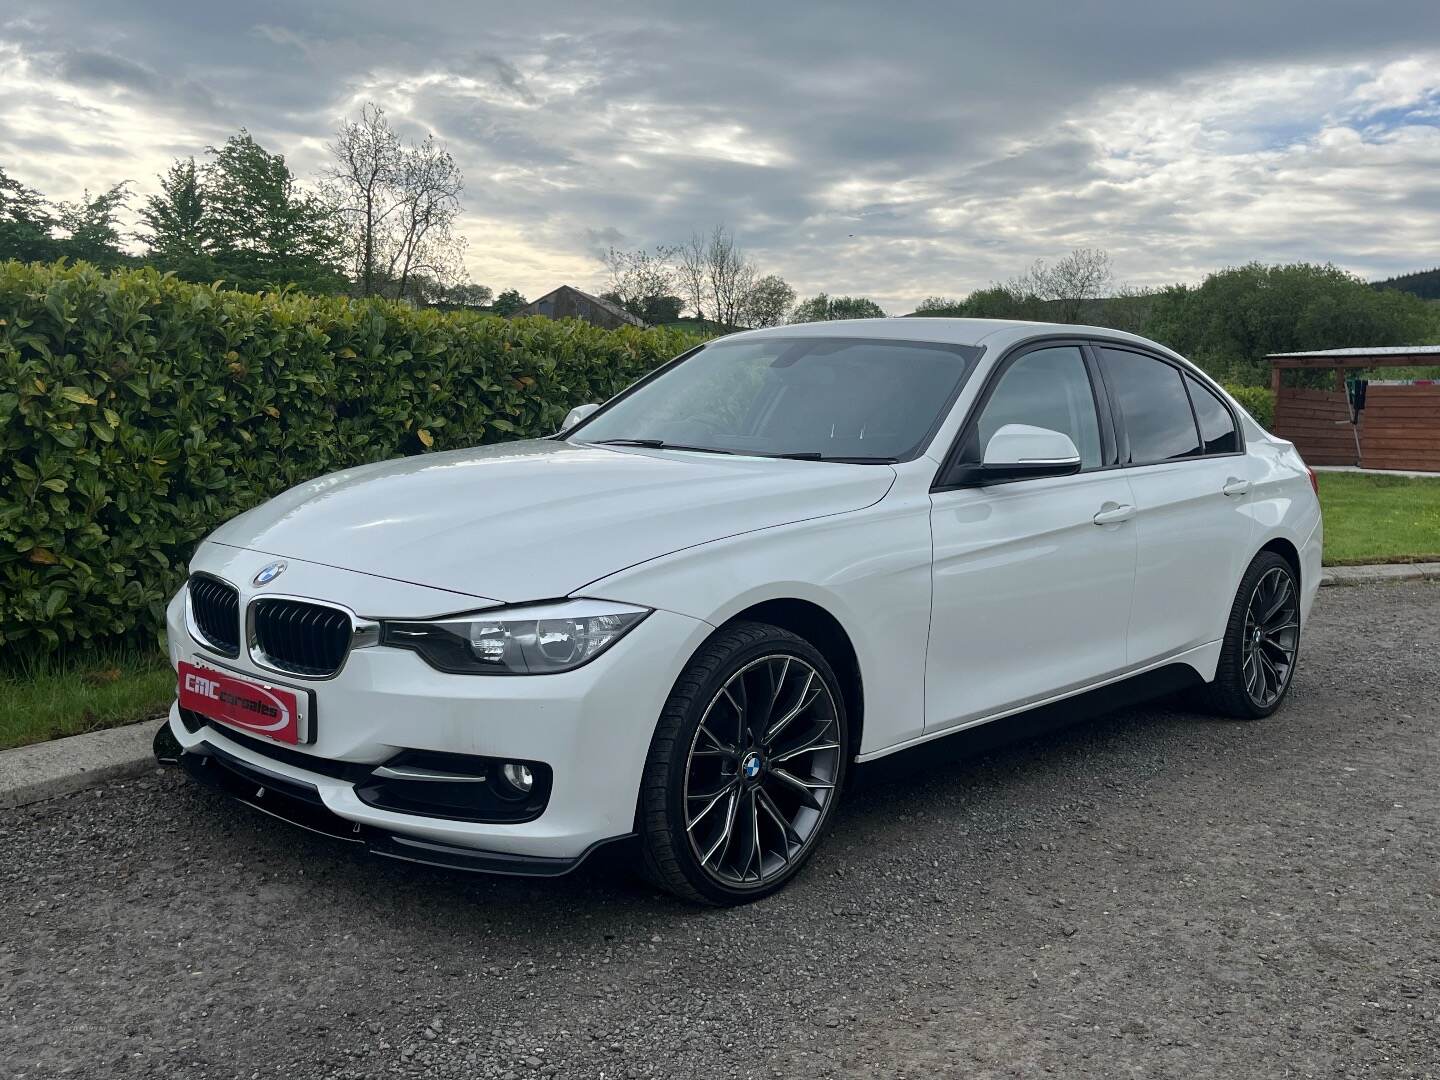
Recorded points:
(870, 569)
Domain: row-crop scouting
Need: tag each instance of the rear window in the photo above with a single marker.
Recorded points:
(1154, 405)
(1217, 426)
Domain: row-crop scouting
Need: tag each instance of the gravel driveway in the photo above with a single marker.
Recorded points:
(1151, 894)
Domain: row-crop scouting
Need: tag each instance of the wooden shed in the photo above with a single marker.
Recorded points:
(1398, 428)
(568, 302)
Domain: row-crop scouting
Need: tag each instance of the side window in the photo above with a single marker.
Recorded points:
(1217, 426)
(1154, 405)
(1048, 388)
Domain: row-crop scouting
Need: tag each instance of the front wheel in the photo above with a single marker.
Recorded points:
(745, 768)
(1262, 642)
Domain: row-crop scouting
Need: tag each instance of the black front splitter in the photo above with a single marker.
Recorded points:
(299, 803)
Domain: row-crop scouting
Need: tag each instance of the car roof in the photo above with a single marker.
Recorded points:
(991, 333)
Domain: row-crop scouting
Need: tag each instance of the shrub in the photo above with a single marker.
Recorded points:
(138, 412)
(1259, 402)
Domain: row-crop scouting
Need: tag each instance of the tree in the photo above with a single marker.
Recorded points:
(691, 275)
(637, 280)
(1235, 317)
(397, 206)
(367, 156)
(1129, 309)
(465, 295)
(1012, 301)
(1070, 285)
(25, 223)
(266, 232)
(769, 301)
(824, 308)
(711, 275)
(508, 302)
(93, 228)
(662, 309)
(177, 235)
(654, 310)
(940, 307)
(422, 239)
(715, 277)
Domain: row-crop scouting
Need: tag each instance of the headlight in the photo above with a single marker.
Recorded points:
(537, 640)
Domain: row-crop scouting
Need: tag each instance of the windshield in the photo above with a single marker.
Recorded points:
(826, 398)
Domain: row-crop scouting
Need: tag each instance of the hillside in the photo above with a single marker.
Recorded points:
(1423, 283)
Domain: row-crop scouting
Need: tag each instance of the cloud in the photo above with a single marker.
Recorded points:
(90, 67)
(919, 150)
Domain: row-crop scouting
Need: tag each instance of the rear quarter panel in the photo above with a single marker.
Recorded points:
(1285, 506)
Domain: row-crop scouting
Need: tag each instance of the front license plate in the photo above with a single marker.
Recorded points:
(271, 711)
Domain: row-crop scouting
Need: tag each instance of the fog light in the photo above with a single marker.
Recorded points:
(518, 776)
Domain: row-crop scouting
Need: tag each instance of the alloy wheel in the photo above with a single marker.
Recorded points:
(761, 772)
(1272, 636)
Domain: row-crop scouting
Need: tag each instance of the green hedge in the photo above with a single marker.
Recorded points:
(1259, 402)
(138, 412)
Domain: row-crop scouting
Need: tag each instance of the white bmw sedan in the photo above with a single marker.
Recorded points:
(685, 620)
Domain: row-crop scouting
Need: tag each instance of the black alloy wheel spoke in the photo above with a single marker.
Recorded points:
(804, 790)
(809, 692)
(792, 839)
(819, 738)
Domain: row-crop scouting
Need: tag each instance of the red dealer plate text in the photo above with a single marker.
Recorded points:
(267, 711)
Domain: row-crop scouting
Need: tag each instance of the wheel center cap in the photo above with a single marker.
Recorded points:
(750, 765)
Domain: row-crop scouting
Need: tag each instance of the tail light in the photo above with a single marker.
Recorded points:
(1314, 480)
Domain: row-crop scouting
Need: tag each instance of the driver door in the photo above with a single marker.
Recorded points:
(1031, 591)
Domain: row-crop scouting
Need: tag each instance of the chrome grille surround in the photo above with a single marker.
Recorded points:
(212, 613)
(296, 635)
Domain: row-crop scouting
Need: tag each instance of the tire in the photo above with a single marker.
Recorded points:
(730, 810)
(1251, 689)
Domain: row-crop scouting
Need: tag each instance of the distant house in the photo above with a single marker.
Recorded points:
(567, 302)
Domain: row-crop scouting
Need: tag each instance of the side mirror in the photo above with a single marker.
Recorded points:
(1021, 451)
(575, 415)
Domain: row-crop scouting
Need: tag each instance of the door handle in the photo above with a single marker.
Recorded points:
(1113, 513)
(1236, 486)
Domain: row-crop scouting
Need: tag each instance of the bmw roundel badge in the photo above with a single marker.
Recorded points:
(269, 573)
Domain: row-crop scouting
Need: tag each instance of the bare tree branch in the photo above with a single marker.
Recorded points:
(1069, 285)
(637, 278)
(399, 204)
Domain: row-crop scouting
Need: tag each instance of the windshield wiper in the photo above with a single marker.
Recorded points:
(804, 455)
(815, 455)
(661, 444)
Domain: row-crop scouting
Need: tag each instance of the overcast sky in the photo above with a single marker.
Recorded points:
(896, 150)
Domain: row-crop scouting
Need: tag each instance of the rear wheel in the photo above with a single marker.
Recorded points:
(1262, 642)
(745, 768)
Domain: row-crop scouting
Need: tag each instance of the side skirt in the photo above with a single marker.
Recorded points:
(976, 740)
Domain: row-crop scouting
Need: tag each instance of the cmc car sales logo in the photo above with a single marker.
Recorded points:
(234, 701)
(210, 688)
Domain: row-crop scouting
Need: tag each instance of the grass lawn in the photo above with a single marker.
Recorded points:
(1375, 519)
(51, 702)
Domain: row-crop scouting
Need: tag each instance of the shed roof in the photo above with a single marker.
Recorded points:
(1375, 356)
(598, 301)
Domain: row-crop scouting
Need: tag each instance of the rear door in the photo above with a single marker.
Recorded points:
(1184, 457)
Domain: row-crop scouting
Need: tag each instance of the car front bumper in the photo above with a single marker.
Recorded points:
(592, 726)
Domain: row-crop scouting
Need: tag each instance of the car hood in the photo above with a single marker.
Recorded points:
(542, 518)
